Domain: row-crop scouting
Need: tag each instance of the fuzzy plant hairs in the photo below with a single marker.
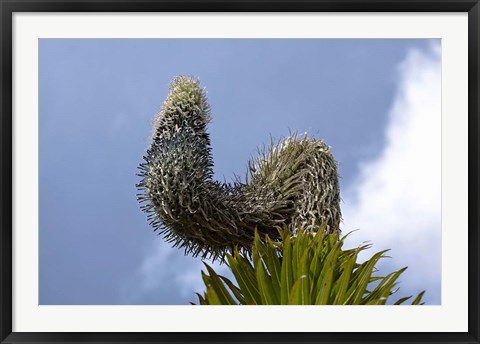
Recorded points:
(292, 183)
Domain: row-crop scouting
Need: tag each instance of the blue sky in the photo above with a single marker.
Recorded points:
(97, 100)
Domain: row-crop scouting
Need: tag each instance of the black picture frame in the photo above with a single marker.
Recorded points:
(8, 7)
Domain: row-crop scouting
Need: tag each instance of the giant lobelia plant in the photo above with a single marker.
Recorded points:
(279, 231)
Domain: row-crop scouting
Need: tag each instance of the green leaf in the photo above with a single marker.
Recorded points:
(295, 256)
(298, 249)
(217, 284)
(297, 294)
(273, 264)
(383, 290)
(418, 299)
(201, 299)
(304, 279)
(266, 252)
(325, 280)
(344, 280)
(402, 300)
(235, 290)
(265, 285)
(286, 275)
(364, 273)
(317, 246)
(352, 285)
(212, 297)
(242, 273)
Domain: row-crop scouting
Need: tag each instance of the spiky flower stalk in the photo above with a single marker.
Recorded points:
(293, 183)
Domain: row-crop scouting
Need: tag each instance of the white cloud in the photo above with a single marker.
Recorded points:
(396, 201)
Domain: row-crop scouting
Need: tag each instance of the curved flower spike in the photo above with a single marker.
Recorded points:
(293, 183)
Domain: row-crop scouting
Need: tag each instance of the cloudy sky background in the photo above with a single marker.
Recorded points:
(375, 102)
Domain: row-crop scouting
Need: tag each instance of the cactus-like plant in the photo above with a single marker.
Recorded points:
(293, 183)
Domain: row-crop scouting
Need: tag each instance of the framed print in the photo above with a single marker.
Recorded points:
(239, 171)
